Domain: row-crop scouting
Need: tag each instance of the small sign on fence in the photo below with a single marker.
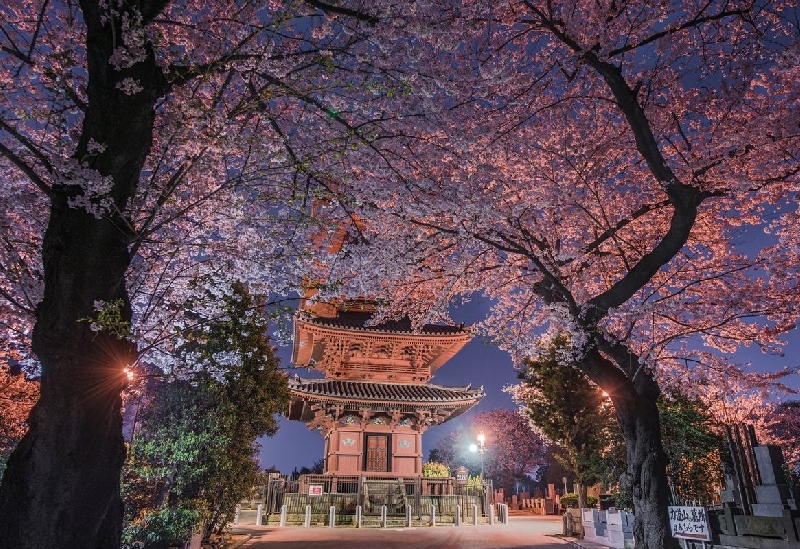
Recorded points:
(689, 523)
(315, 489)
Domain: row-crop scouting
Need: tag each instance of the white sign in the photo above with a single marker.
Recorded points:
(315, 489)
(689, 523)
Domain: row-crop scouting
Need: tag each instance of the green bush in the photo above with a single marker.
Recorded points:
(570, 501)
(165, 527)
(433, 469)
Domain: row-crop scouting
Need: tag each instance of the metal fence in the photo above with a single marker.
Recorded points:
(346, 493)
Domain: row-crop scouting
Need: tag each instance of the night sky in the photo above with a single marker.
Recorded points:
(478, 363)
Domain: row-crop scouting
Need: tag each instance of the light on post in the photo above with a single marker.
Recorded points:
(480, 448)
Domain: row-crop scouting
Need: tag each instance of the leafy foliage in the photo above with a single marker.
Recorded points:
(434, 469)
(692, 441)
(166, 527)
(571, 412)
(196, 442)
(17, 397)
(570, 501)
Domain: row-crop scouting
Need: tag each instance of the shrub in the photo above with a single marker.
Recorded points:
(570, 501)
(165, 527)
(433, 469)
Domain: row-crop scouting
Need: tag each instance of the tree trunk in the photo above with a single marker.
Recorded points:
(61, 489)
(582, 492)
(645, 478)
(634, 392)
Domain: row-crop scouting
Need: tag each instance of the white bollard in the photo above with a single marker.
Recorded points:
(259, 511)
(383, 516)
(458, 515)
(284, 512)
(358, 516)
(408, 516)
(236, 514)
(433, 515)
(491, 514)
(332, 516)
(474, 514)
(307, 521)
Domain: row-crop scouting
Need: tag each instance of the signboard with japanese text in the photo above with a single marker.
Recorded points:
(689, 523)
(315, 489)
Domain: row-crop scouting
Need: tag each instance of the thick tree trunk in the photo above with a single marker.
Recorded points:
(645, 478)
(61, 489)
(634, 392)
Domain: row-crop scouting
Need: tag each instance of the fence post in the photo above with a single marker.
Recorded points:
(259, 518)
(408, 516)
(383, 516)
(474, 514)
(307, 521)
(491, 514)
(358, 516)
(332, 516)
(433, 515)
(284, 511)
(236, 514)
(458, 515)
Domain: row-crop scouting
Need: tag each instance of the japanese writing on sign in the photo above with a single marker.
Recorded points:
(689, 523)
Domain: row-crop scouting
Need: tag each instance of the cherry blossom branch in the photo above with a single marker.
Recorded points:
(356, 14)
(26, 169)
(695, 22)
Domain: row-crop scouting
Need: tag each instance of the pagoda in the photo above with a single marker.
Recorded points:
(375, 401)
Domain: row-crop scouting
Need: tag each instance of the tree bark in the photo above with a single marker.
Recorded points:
(583, 491)
(61, 489)
(634, 392)
(645, 477)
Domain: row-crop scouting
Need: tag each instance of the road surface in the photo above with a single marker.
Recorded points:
(521, 532)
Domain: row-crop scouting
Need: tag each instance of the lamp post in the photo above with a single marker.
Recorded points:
(480, 448)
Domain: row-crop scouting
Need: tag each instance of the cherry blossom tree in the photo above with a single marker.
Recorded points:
(624, 173)
(593, 166)
(152, 153)
(513, 449)
(785, 431)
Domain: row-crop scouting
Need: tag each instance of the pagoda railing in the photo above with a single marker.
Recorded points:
(372, 493)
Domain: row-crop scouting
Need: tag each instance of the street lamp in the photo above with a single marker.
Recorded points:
(480, 448)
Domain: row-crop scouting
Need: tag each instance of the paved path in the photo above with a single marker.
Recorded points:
(520, 533)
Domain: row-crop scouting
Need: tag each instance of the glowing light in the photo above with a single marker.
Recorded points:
(129, 374)
(473, 447)
(481, 438)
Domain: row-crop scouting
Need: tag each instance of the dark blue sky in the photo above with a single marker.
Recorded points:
(477, 363)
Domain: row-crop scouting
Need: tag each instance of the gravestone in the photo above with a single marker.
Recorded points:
(772, 494)
(620, 528)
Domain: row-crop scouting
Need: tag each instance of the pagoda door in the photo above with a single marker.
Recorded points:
(377, 454)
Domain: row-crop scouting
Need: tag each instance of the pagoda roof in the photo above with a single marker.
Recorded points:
(384, 392)
(357, 320)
